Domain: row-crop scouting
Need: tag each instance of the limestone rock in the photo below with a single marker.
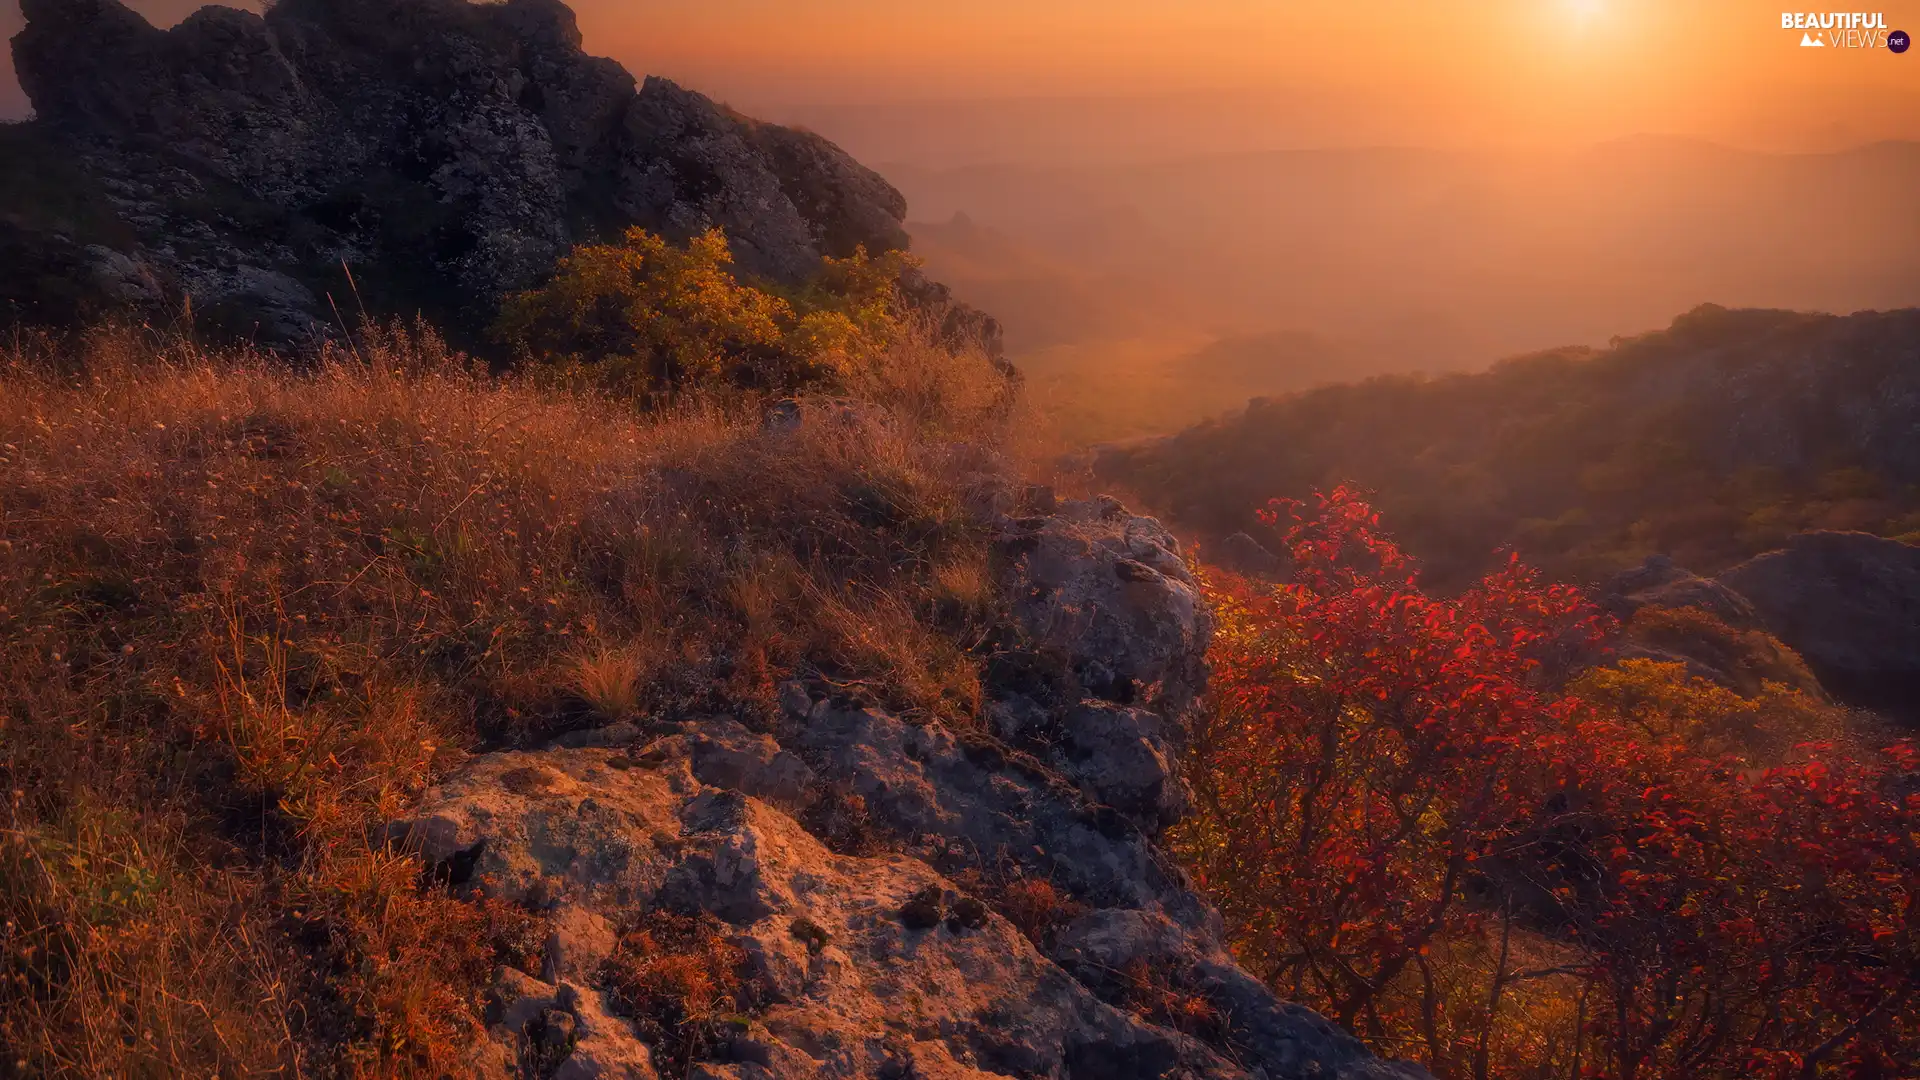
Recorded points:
(535, 1020)
(889, 957)
(1244, 555)
(1125, 757)
(1110, 591)
(604, 1046)
(1738, 653)
(866, 990)
(893, 960)
(1660, 582)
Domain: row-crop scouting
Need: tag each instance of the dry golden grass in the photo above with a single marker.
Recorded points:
(608, 679)
(247, 614)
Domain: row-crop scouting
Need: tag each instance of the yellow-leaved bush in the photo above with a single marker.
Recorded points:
(652, 320)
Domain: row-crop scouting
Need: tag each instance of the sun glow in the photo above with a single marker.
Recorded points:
(1584, 12)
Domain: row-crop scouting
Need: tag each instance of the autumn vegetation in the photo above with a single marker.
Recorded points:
(249, 609)
(1430, 818)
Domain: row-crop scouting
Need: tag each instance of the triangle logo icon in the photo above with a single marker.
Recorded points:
(1808, 41)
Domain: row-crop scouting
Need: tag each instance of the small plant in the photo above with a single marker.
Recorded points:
(1151, 994)
(1036, 907)
(839, 818)
(608, 680)
(681, 980)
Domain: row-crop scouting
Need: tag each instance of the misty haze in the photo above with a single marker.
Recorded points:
(850, 539)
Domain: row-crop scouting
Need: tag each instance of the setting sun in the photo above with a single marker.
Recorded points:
(1584, 11)
(863, 539)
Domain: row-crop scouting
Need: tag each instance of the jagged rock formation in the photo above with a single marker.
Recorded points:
(1849, 603)
(1846, 603)
(880, 947)
(447, 151)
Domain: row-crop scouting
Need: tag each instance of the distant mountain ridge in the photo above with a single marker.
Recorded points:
(1711, 441)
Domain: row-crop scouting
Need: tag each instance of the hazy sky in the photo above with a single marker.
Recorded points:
(1356, 72)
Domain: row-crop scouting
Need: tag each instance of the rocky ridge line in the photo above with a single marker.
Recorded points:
(877, 961)
(1846, 602)
(447, 151)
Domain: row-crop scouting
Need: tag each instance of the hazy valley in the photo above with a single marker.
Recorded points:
(515, 568)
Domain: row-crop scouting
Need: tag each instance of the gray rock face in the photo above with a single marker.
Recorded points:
(1850, 604)
(1660, 582)
(1244, 555)
(1110, 591)
(890, 955)
(450, 151)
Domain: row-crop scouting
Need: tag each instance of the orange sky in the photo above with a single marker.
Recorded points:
(1432, 72)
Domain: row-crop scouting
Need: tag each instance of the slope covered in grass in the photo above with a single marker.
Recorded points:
(247, 613)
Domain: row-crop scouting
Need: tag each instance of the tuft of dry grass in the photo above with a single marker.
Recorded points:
(248, 612)
(1150, 993)
(608, 679)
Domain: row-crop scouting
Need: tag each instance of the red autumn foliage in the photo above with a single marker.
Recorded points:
(1411, 824)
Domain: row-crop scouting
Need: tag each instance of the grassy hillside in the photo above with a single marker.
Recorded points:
(1710, 441)
(246, 613)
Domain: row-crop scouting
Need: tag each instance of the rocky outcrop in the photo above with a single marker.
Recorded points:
(1661, 583)
(1242, 554)
(1850, 604)
(1671, 615)
(446, 151)
(871, 870)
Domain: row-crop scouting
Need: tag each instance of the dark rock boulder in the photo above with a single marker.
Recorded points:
(1672, 615)
(1109, 591)
(447, 151)
(1660, 582)
(1850, 603)
(1244, 555)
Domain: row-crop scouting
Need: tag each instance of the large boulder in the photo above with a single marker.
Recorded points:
(1850, 604)
(1671, 615)
(1110, 591)
(868, 964)
(447, 151)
